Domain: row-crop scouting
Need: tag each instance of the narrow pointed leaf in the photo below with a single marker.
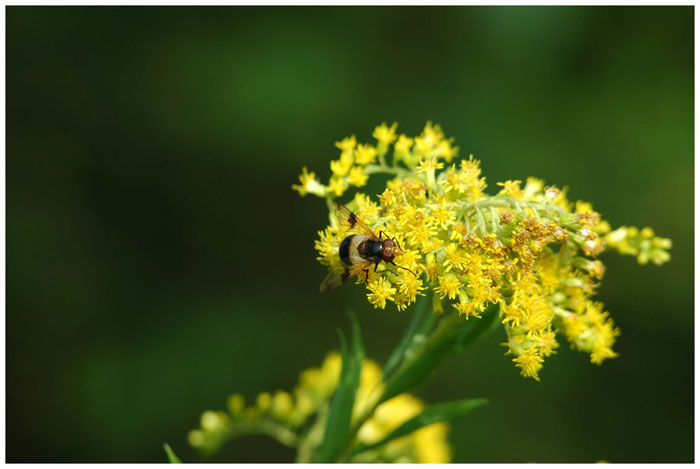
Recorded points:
(340, 414)
(172, 458)
(358, 346)
(419, 367)
(429, 416)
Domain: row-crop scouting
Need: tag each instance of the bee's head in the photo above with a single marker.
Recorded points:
(390, 250)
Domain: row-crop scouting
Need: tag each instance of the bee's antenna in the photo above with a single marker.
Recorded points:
(404, 268)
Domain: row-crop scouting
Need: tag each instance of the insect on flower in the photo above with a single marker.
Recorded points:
(360, 249)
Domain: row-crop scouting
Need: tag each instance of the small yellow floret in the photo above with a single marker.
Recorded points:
(365, 154)
(357, 177)
(384, 134)
(381, 291)
(403, 144)
(347, 144)
(529, 363)
(309, 184)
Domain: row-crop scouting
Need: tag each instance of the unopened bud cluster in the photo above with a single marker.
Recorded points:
(286, 416)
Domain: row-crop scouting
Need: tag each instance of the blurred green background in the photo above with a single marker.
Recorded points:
(158, 261)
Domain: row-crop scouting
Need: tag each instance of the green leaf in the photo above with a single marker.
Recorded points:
(340, 414)
(397, 355)
(452, 335)
(172, 458)
(433, 414)
(418, 368)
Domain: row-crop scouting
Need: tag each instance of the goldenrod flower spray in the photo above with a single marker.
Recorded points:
(526, 249)
(524, 257)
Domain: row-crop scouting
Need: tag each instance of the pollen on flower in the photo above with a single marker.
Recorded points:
(505, 217)
(469, 307)
(327, 248)
(585, 215)
(410, 286)
(380, 291)
(366, 207)
(511, 189)
(387, 198)
(530, 364)
(455, 257)
(430, 165)
(593, 246)
(449, 286)
(410, 259)
(526, 250)
(420, 234)
(444, 215)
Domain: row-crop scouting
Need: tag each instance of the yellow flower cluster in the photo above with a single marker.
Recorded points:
(526, 249)
(282, 415)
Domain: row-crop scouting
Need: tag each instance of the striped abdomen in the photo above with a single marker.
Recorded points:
(358, 248)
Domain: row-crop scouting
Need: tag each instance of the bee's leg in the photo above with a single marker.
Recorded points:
(367, 275)
(386, 269)
(404, 268)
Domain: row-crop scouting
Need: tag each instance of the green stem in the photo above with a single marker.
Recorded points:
(313, 437)
(263, 426)
(383, 168)
(449, 334)
(279, 433)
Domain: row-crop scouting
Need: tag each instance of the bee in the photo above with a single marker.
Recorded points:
(360, 249)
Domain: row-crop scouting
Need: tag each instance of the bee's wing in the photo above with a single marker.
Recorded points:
(350, 223)
(336, 278)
